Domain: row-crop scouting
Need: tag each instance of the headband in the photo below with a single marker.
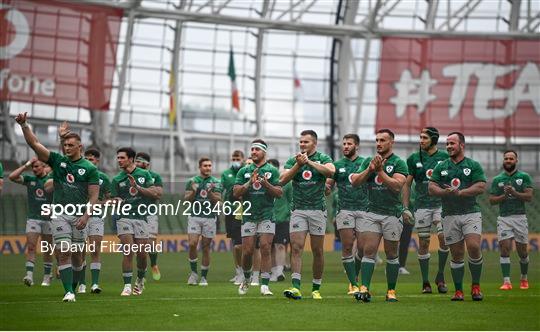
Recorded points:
(259, 146)
(142, 160)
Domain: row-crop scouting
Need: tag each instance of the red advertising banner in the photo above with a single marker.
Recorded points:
(478, 87)
(58, 52)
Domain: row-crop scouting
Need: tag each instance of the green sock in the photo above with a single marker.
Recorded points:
(247, 274)
(82, 275)
(265, 278)
(95, 268)
(30, 267)
(193, 265)
(524, 265)
(47, 268)
(153, 258)
(127, 275)
(316, 285)
(505, 266)
(66, 275)
(349, 266)
(368, 265)
(392, 271)
(458, 270)
(204, 271)
(475, 265)
(424, 266)
(141, 273)
(295, 277)
(75, 279)
(357, 265)
(443, 257)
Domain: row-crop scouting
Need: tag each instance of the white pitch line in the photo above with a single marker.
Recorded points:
(241, 298)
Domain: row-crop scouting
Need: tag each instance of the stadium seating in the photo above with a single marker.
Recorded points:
(13, 215)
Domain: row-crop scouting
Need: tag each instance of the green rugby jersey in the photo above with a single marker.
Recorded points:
(461, 176)
(309, 184)
(262, 203)
(511, 205)
(421, 170)
(228, 178)
(382, 200)
(1, 171)
(283, 205)
(204, 185)
(104, 185)
(36, 195)
(158, 182)
(121, 187)
(349, 197)
(71, 179)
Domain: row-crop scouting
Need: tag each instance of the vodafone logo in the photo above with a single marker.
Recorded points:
(133, 191)
(256, 185)
(455, 183)
(22, 32)
(70, 178)
(429, 173)
(203, 193)
(307, 175)
(378, 180)
(39, 192)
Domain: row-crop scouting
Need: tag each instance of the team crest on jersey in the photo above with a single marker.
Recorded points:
(133, 191)
(100, 182)
(230, 175)
(307, 175)
(32, 183)
(438, 162)
(419, 165)
(378, 180)
(342, 170)
(429, 173)
(467, 171)
(519, 182)
(389, 169)
(70, 178)
(268, 175)
(256, 185)
(501, 184)
(247, 175)
(455, 183)
(122, 184)
(39, 192)
(63, 165)
(203, 193)
(444, 173)
(81, 171)
(141, 180)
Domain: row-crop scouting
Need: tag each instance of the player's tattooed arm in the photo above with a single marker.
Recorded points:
(31, 139)
(477, 188)
(16, 175)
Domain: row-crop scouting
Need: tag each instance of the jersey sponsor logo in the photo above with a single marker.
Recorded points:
(70, 178)
(267, 175)
(63, 165)
(455, 183)
(81, 171)
(429, 173)
(419, 165)
(467, 171)
(256, 185)
(203, 193)
(444, 173)
(307, 175)
(389, 168)
(39, 192)
(519, 182)
(141, 180)
(342, 170)
(133, 191)
(378, 180)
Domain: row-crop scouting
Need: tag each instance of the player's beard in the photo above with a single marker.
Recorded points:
(509, 168)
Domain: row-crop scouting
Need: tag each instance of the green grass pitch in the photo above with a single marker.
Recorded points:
(169, 304)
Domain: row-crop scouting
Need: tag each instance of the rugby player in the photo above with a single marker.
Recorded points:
(257, 184)
(427, 208)
(510, 190)
(142, 160)
(204, 192)
(36, 224)
(308, 171)
(457, 181)
(385, 175)
(76, 183)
